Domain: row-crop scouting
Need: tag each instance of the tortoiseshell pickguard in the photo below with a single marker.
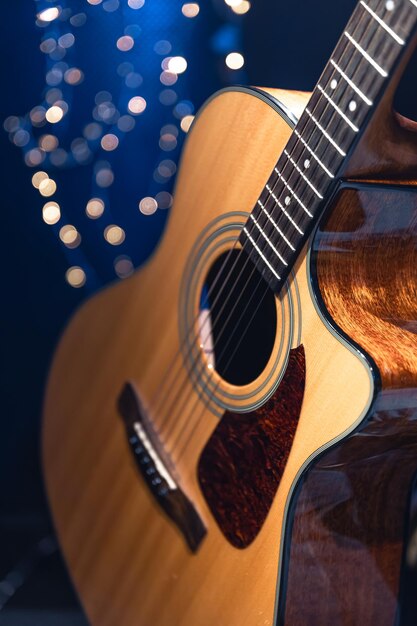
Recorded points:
(242, 464)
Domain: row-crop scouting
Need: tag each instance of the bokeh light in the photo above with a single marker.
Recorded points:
(51, 213)
(137, 105)
(241, 7)
(148, 205)
(190, 9)
(54, 114)
(47, 187)
(70, 236)
(102, 135)
(125, 43)
(38, 177)
(114, 235)
(123, 266)
(177, 65)
(136, 4)
(75, 276)
(186, 122)
(109, 142)
(48, 15)
(95, 208)
(235, 60)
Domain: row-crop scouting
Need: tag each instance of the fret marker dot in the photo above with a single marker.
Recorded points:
(390, 5)
(307, 163)
(333, 84)
(287, 200)
(352, 105)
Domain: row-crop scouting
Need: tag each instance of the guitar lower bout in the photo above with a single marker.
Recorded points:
(135, 331)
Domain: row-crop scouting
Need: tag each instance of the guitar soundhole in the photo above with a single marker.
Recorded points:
(239, 337)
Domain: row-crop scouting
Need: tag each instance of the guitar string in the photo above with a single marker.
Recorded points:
(169, 413)
(194, 427)
(203, 395)
(155, 408)
(187, 440)
(297, 144)
(173, 421)
(169, 370)
(179, 351)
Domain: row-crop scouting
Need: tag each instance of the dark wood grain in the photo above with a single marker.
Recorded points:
(242, 464)
(348, 517)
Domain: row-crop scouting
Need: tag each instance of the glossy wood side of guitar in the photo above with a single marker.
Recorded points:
(349, 517)
(128, 562)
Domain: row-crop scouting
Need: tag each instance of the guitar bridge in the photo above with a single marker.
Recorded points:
(155, 467)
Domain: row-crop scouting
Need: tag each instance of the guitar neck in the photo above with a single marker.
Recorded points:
(353, 81)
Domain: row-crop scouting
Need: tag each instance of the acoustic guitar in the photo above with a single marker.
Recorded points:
(230, 435)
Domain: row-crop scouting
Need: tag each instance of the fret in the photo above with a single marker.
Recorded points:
(383, 24)
(301, 158)
(368, 57)
(292, 199)
(267, 263)
(339, 110)
(304, 177)
(325, 133)
(351, 83)
(311, 168)
(313, 154)
(292, 192)
(350, 111)
(271, 245)
(328, 156)
(275, 225)
(283, 210)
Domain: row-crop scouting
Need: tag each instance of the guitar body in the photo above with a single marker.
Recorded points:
(342, 371)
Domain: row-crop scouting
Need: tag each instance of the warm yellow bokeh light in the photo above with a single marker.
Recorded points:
(51, 213)
(241, 8)
(94, 208)
(48, 143)
(186, 122)
(38, 177)
(137, 105)
(75, 276)
(70, 236)
(114, 235)
(148, 205)
(47, 187)
(190, 9)
(54, 114)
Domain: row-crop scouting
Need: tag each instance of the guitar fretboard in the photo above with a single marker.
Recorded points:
(354, 78)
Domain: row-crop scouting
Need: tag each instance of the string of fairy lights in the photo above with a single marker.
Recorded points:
(56, 138)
